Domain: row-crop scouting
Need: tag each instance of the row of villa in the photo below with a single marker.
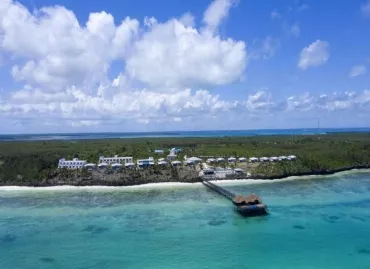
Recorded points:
(117, 162)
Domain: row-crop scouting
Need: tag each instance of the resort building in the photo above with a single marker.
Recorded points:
(174, 151)
(211, 160)
(274, 159)
(242, 159)
(115, 159)
(219, 160)
(90, 166)
(158, 151)
(231, 160)
(145, 162)
(264, 159)
(193, 160)
(130, 166)
(176, 163)
(71, 164)
(103, 165)
(116, 166)
(292, 157)
(162, 163)
(253, 159)
(171, 157)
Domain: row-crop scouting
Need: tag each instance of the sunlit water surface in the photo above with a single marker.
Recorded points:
(314, 223)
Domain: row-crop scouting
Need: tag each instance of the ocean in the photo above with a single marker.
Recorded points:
(314, 222)
(78, 136)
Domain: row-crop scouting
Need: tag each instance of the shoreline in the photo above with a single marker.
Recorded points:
(163, 185)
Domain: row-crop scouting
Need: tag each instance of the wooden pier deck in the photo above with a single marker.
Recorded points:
(227, 194)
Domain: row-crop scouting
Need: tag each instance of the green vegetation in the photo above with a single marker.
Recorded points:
(30, 163)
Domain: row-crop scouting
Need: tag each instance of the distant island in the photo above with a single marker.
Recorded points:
(35, 163)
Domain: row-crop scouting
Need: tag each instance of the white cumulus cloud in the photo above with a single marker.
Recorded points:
(365, 8)
(216, 12)
(358, 70)
(315, 54)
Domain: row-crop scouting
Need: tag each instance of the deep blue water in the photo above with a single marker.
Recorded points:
(314, 223)
(76, 136)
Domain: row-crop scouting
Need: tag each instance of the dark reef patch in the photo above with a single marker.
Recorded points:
(216, 222)
(8, 238)
(363, 251)
(299, 227)
(95, 229)
(47, 259)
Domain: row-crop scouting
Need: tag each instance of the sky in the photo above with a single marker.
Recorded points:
(144, 65)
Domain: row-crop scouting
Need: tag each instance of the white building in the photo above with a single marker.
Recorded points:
(115, 159)
(219, 160)
(159, 151)
(171, 157)
(145, 162)
(194, 160)
(211, 160)
(176, 163)
(231, 160)
(242, 159)
(253, 159)
(71, 164)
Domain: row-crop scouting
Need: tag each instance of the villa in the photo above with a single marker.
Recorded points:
(231, 160)
(171, 157)
(145, 162)
(90, 166)
(115, 159)
(253, 159)
(71, 164)
(158, 151)
(176, 163)
(242, 159)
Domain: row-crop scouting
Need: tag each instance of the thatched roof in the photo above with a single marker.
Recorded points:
(247, 200)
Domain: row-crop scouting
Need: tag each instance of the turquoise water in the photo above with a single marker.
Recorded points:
(315, 223)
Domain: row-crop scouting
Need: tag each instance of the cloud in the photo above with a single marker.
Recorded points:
(56, 51)
(275, 15)
(264, 48)
(216, 12)
(315, 54)
(365, 9)
(357, 70)
(295, 30)
(173, 55)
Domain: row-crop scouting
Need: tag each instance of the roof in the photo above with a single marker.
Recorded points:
(247, 200)
(116, 165)
(129, 164)
(102, 164)
(176, 162)
(232, 158)
(193, 159)
(90, 164)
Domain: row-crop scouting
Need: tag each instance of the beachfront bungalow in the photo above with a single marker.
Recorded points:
(283, 158)
(159, 151)
(162, 163)
(239, 171)
(116, 166)
(102, 166)
(264, 159)
(176, 163)
(274, 159)
(171, 157)
(211, 160)
(253, 159)
(194, 160)
(90, 166)
(220, 160)
(130, 166)
(161, 160)
(115, 159)
(145, 162)
(242, 159)
(292, 157)
(231, 160)
(75, 163)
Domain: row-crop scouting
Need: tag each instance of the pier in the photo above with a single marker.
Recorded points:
(248, 206)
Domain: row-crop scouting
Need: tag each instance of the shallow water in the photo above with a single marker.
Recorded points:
(315, 223)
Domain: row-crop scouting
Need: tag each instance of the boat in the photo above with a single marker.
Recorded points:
(250, 205)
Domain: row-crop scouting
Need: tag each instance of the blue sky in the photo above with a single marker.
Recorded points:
(78, 66)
